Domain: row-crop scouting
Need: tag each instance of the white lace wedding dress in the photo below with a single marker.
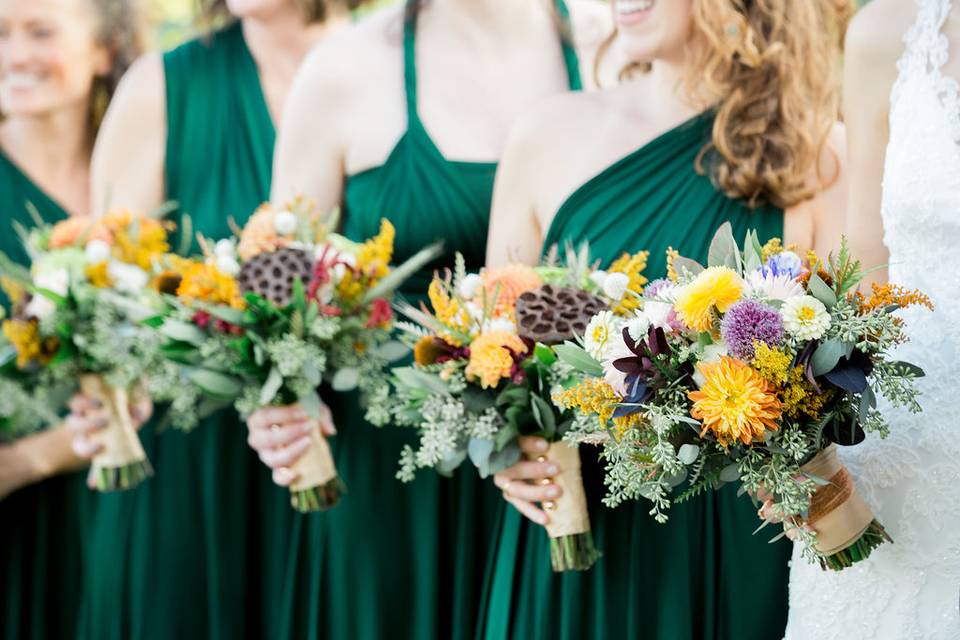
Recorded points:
(910, 589)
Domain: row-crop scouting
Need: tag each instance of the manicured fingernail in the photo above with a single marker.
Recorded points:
(553, 469)
(97, 403)
(307, 428)
(100, 422)
(552, 492)
(302, 442)
(542, 445)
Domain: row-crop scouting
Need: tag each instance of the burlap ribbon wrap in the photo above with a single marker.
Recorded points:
(120, 443)
(569, 515)
(315, 468)
(838, 512)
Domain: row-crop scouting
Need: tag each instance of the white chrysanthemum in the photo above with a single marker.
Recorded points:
(127, 278)
(96, 251)
(57, 281)
(600, 332)
(638, 325)
(711, 353)
(228, 265)
(470, 286)
(285, 223)
(597, 277)
(225, 248)
(615, 286)
(805, 317)
(771, 287)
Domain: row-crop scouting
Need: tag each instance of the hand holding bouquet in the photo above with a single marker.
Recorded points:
(70, 328)
(753, 368)
(485, 369)
(264, 320)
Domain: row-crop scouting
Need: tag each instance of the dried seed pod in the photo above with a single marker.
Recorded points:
(552, 315)
(272, 274)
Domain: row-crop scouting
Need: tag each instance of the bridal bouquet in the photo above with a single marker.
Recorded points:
(266, 318)
(752, 369)
(69, 328)
(484, 369)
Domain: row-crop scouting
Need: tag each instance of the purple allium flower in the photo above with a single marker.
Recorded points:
(749, 320)
(785, 263)
(653, 289)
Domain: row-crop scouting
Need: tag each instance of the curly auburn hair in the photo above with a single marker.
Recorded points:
(769, 68)
(313, 10)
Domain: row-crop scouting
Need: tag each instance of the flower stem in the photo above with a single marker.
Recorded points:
(573, 553)
(319, 498)
(873, 537)
(121, 478)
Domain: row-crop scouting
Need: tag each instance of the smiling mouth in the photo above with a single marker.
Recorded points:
(633, 7)
(19, 81)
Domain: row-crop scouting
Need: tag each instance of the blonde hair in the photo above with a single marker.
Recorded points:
(769, 68)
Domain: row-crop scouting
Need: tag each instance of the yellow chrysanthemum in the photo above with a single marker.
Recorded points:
(508, 283)
(98, 274)
(714, 288)
(491, 359)
(632, 266)
(24, 335)
(206, 283)
(735, 402)
(137, 239)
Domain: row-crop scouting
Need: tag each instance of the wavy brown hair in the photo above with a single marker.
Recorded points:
(214, 11)
(120, 29)
(769, 69)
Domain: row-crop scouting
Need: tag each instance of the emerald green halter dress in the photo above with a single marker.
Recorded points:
(702, 575)
(184, 555)
(396, 560)
(42, 525)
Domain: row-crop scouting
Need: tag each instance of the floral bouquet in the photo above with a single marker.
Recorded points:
(753, 368)
(264, 319)
(485, 367)
(70, 327)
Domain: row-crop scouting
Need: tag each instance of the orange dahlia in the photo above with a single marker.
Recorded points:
(77, 229)
(735, 402)
(508, 283)
(206, 283)
(492, 357)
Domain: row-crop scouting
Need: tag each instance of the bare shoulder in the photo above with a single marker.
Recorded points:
(559, 122)
(875, 36)
(142, 87)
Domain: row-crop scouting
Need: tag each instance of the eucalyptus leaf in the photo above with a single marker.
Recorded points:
(505, 436)
(507, 457)
(730, 473)
(688, 453)
(544, 354)
(575, 356)
(868, 401)
(310, 403)
(683, 266)
(392, 350)
(271, 387)
(910, 368)
(479, 450)
(345, 379)
(448, 465)
(183, 331)
(215, 383)
(311, 373)
(821, 291)
(827, 355)
(543, 414)
(416, 379)
(723, 249)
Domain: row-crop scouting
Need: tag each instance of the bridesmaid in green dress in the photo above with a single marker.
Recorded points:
(194, 551)
(407, 126)
(58, 59)
(727, 122)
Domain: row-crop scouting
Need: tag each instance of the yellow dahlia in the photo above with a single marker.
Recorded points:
(714, 288)
(508, 283)
(206, 283)
(632, 266)
(491, 357)
(734, 403)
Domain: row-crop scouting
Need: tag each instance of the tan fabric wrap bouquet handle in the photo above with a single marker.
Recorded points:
(315, 467)
(838, 511)
(120, 442)
(569, 515)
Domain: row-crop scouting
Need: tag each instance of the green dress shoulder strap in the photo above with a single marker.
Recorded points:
(42, 538)
(682, 580)
(188, 553)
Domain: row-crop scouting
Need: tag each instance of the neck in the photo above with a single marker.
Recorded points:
(504, 14)
(668, 77)
(55, 145)
(279, 43)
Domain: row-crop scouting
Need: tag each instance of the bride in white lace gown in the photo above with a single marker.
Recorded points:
(909, 589)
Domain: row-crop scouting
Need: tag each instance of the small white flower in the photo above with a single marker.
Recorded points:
(600, 332)
(500, 324)
(470, 286)
(711, 353)
(771, 287)
(638, 326)
(96, 251)
(597, 277)
(475, 311)
(225, 248)
(128, 278)
(285, 223)
(658, 313)
(57, 281)
(228, 265)
(339, 271)
(611, 375)
(805, 317)
(615, 286)
(347, 258)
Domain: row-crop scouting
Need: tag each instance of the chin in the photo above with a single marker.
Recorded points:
(256, 8)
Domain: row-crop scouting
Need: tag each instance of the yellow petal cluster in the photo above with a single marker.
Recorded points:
(491, 359)
(206, 283)
(448, 311)
(735, 403)
(714, 288)
(632, 266)
(24, 335)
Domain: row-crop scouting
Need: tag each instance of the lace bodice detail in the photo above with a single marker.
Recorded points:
(910, 590)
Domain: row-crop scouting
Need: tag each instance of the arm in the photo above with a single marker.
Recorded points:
(36, 457)
(128, 158)
(308, 160)
(868, 78)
